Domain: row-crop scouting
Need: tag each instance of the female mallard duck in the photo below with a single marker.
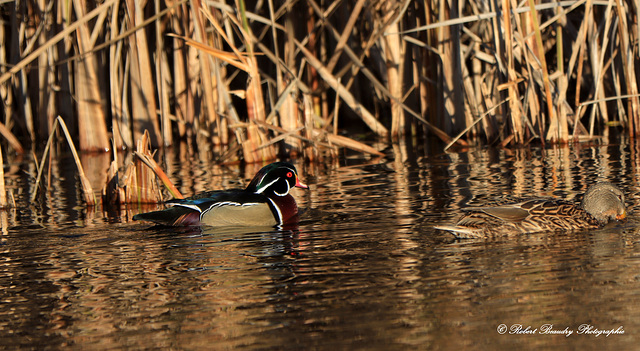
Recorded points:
(602, 203)
(265, 202)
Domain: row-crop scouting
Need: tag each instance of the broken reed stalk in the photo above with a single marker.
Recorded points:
(138, 185)
(112, 193)
(89, 196)
(148, 160)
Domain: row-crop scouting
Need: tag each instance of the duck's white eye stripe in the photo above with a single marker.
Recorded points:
(261, 189)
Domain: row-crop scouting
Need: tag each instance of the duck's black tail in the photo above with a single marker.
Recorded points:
(173, 216)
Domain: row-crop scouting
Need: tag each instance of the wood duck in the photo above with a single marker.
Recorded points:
(602, 203)
(265, 202)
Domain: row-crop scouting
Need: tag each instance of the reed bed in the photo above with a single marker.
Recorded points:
(263, 79)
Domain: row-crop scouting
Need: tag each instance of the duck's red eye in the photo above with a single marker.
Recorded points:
(289, 175)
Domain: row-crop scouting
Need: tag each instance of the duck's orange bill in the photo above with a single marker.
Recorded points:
(300, 184)
(622, 216)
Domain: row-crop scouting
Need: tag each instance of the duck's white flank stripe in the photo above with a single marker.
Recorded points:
(226, 203)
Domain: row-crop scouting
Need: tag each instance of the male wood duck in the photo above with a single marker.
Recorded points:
(265, 202)
(602, 203)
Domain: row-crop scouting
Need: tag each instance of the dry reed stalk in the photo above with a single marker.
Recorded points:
(209, 85)
(256, 113)
(120, 126)
(63, 97)
(515, 107)
(476, 87)
(488, 103)
(181, 79)
(19, 41)
(562, 85)
(13, 141)
(579, 48)
(254, 97)
(6, 95)
(287, 107)
(46, 78)
(394, 51)
(628, 69)
(562, 134)
(347, 31)
(89, 196)
(311, 153)
(344, 94)
(472, 107)
(162, 74)
(3, 191)
(142, 89)
(289, 119)
(92, 126)
(427, 72)
(313, 78)
(343, 141)
(448, 41)
(418, 82)
(597, 61)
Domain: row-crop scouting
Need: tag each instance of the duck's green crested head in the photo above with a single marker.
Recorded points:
(276, 179)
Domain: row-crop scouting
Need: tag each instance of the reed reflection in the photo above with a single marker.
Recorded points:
(364, 268)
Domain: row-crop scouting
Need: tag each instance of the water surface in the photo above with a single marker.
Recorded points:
(363, 270)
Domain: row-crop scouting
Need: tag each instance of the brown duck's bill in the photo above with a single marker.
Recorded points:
(621, 216)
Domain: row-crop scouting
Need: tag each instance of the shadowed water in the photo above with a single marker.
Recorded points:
(363, 270)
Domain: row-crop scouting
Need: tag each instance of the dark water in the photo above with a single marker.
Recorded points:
(363, 270)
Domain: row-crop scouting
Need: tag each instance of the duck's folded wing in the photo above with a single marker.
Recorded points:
(508, 213)
(173, 216)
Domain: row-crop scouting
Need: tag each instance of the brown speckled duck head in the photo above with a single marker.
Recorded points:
(605, 202)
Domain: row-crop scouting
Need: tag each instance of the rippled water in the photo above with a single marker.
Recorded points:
(364, 269)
